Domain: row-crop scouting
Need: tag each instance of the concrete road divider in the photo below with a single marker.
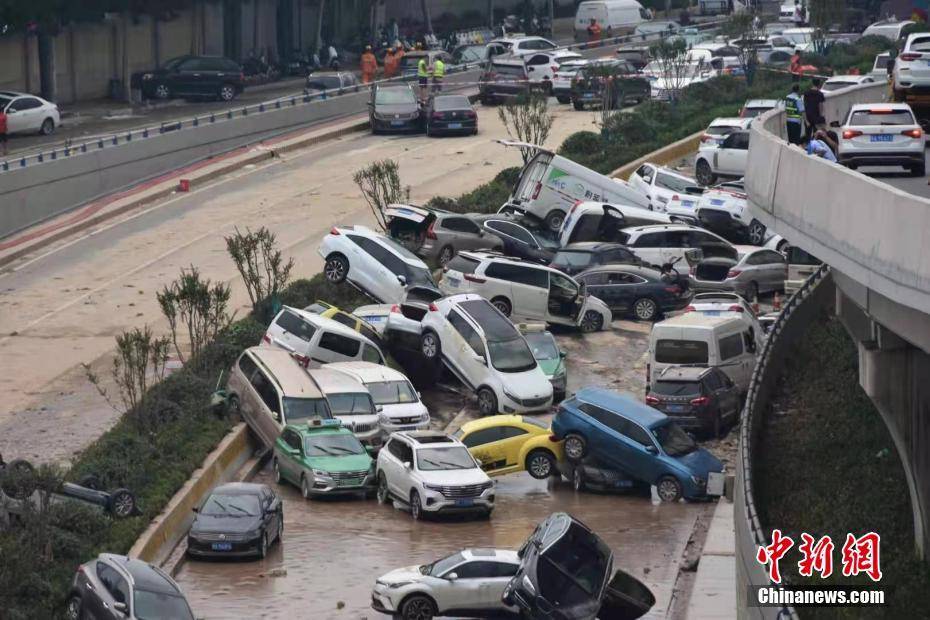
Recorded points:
(663, 157)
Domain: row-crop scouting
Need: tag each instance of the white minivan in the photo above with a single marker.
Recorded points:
(313, 340)
(697, 339)
(550, 185)
(616, 17)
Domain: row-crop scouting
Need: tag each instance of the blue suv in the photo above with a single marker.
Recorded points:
(618, 431)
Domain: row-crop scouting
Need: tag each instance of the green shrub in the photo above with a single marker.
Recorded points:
(486, 198)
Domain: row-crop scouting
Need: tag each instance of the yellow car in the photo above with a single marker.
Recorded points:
(348, 319)
(508, 443)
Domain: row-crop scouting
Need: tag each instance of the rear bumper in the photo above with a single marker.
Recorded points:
(401, 125)
(717, 220)
(710, 286)
(899, 158)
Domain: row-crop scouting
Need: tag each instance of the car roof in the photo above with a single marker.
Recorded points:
(328, 324)
(483, 255)
(305, 428)
(335, 382)
(623, 403)
(491, 421)
(501, 555)
(858, 107)
(699, 319)
(682, 373)
(646, 272)
(661, 227)
(591, 246)
(368, 372)
(729, 120)
(242, 488)
(495, 326)
(430, 438)
(144, 575)
(384, 240)
(290, 377)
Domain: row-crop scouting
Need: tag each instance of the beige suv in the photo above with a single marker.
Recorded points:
(269, 389)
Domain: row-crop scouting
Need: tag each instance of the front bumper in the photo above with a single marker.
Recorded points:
(510, 405)
(381, 600)
(436, 503)
(202, 548)
(396, 427)
(558, 386)
(327, 485)
(413, 124)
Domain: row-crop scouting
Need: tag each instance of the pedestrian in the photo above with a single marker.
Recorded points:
(813, 107)
(390, 63)
(819, 147)
(795, 67)
(757, 23)
(794, 110)
(423, 71)
(3, 132)
(439, 72)
(369, 65)
(594, 30)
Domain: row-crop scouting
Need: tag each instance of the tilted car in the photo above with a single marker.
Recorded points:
(724, 209)
(722, 303)
(323, 458)
(394, 108)
(542, 66)
(522, 236)
(642, 292)
(882, 134)
(661, 245)
(726, 159)
(839, 82)
(598, 221)
(237, 519)
(632, 437)
(333, 83)
(526, 291)
(313, 339)
(437, 235)
(756, 107)
(432, 473)
(549, 356)
(659, 184)
(467, 583)
(329, 311)
(504, 444)
(503, 78)
(720, 128)
(577, 257)
(757, 271)
(704, 399)
(398, 403)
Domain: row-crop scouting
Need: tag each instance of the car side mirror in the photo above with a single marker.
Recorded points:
(121, 608)
(195, 509)
(402, 280)
(407, 465)
(652, 450)
(379, 408)
(562, 354)
(275, 505)
(452, 576)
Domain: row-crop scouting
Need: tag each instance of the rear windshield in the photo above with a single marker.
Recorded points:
(681, 352)
(720, 130)
(673, 183)
(581, 555)
(514, 70)
(302, 409)
(872, 117)
(572, 259)
(463, 264)
(836, 85)
(677, 388)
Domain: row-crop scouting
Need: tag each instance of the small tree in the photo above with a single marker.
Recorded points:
(741, 29)
(192, 304)
(139, 364)
(260, 263)
(527, 119)
(380, 185)
(675, 70)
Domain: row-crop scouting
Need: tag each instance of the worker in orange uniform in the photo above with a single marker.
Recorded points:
(390, 63)
(369, 65)
(594, 31)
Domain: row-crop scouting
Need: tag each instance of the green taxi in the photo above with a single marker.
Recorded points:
(548, 355)
(322, 457)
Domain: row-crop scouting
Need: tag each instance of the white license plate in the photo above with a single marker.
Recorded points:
(712, 312)
(677, 408)
(455, 125)
(716, 202)
(373, 319)
(885, 137)
(396, 123)
(588, 95)
(687, 203)
(715, 483)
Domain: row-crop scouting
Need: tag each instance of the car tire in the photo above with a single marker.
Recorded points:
(645, 309)
(122, 503)
(446, 254)
(752, 292)
(417, 607)
(279, 539)
(578, 480)
(19, 481)
(502, 304)
(592, 321)
(278, 478)
(575, 447)
(304, 487)
(162, 92)
(73, 609)
(336, 268)
(487, 402)
(669, 489)
(382, 494)
(234, 407)
(540, 464)
(563, 99)
(577, 105)
(227, 92)
(92, 482)
(430, 346)
(416, 506)
(704, 174)
(47, 128)
(263, 547)
(756, 232)
(554, 220)
(919, 170)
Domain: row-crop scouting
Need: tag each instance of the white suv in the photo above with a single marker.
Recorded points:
(725, 159)
(659, 184)
(374, 263)
(882, 134)
(398, 402)
(471, 581)
(310, 338)
(525, 291)
(911, 68)
(486, 352)
(724, 209)
(432, 473)
(660, 245)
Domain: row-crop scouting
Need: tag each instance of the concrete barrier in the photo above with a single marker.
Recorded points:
(664, 156)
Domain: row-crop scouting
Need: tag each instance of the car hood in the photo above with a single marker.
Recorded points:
(454, 477)
(404, 410)
(528, 384)
(549, 367)
(700, 462)
(401, 575)
(353, 462)
(227, 525)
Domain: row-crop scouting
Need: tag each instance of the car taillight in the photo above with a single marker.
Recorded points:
(437, 116)
(395, 309)
(430, 233)
(690, 309)
(334, 231)
(471, 114)
(675, 197)
(733, 273)
(913, 133)
(909, 56)
(674, 290)
(553, 437)
(433, 307)
(537, 189)
(303, 360)
(735, 308)
(848, 134)
(700, 401)
(554, 68)
(652, 400)
(267, 338)
(706, 137)
(473, 278)
(648, 373)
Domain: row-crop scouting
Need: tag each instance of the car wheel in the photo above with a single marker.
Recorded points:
(669, 489)
(263, 546)
(445, 255)
(235, 407)
(304, 487)
(554, 220)
(592, 321)
(918, 170)
(416, 506)
(336, 268)
(704, 174)
(577, 105)
(162, 91)
(19, 479)
(382, 495)
(122, 503)
(487, 402)
(645, 309)
(280, 537)
(575, 448)
(562, 99)
(752, 292)
(48, 127)
(227, 92)
(578, 481)
(756, 232)
(418, 607)
(73, 608)
(503, 305)
(540, 464)
(277, 473)
(430, 347)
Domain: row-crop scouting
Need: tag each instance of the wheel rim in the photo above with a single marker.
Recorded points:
(756, 234)
(304, 488)
(573, 448)
(161, 91)
(277, 473)
(540, 466)
(122, 507)
(485, 402)
(591, 321)
(415, 506)
(645, 309)
(382, 490)
(335, 270)
(226, 93)
(503, 306)
(418, 609)
(47, 126)
(445, 256)
(667, 490)
(74, 608)
(555, 221)
(703, 172)
(429, 346)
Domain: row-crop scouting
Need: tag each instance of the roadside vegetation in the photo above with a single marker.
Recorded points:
(826, 465)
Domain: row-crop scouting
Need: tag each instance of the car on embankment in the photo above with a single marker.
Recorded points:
(505, 444)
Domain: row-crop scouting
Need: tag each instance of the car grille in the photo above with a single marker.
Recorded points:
(534, 402)
(362, 428)
(409, 420)
(218, 537)
(349, 478)
(471, 490)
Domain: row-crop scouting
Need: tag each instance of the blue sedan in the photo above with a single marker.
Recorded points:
(620, 432)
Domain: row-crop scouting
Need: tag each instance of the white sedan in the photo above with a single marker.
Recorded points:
(28, 113)
(658, 184)
(882, 134)
(839, 82)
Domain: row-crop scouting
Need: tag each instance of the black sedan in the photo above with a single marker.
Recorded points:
(642, 292)
(237, 519)
(192, 76)
(450, 114)
(577, 257)
(523, 236)
(625, 85)
(394, 108)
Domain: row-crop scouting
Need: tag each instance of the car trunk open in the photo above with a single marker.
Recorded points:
(408, 225)
(714, 269)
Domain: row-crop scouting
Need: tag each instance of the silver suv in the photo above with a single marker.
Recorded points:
(435, 235)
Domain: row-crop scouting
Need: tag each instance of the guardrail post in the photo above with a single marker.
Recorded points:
(145, 132)
(212, 117)
(54, 155)
(115, 140)
(39, 158)
(196, 121)
(128, 136)
(277, 104)
(22, 162)
(84, 148)
(6, 166)
(294, 100)
(245, 111)
(67, 151)
(229, 114)
(261, 107)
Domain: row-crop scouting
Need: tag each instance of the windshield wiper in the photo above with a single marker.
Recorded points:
(345, 450)
(453, 465)
(242, 510)
(220, 504)
(432, 462)
(324, 450)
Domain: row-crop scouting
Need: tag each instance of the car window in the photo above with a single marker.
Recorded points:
(595, 279)
(681, 352)
(404, 452)
(696, 238)
(881, 117)
(369, 333)
(619, 255)
(485, 435)
(619, 277)
(246, 366)
(476, 570)
(114, 583)
(345, 319)
(538, 59)
(24, 103)
(339, 344)
(463, 264)
(519, 274)
(572, 259)
(394, 96)
(769, 257)
(370, 247)
(509, 432)
(651, 240)
(636, 433)
(157, 605)
(460, 224)
(267, 393)
(563, 282)
(467, 332)
(371, 354)
(517, 232)
(730, 346)
(293, 324)
(292, 439)
(605, 417)
(712, 381)
(351, 403)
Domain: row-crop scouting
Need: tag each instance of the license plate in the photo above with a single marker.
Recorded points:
(396, 123)
(373, 319)
(222, 546)
(885, 137)
(455, 125)
(588, 96)
(677, 408)
(712, 312)
(687, 203)
(454, 281)
(464, 502)
(716, 202)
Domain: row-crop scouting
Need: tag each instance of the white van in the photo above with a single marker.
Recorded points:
(350, 402)
(313, 340)
(550, 185)
(616, 17)
(697, 339)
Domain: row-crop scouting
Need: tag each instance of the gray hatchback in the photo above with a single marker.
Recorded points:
(435, 235)
(758, 270)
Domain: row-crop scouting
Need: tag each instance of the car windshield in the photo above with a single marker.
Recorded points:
(543, 345)
(333, 444)
(300, 409)
(569, 258)
(147, 605)
(439, 459)
(419, 275)
(681, 352)
(439, 567)
(511, 355)
(876, 117)
(394, 96)
(677, 388)
(351, 404)
(473, 53)
(226, 505)
(452, 102)
(673, 183)
(392, 392)
(4, 102)
(674, 441)
(579, 555)
(754, 112)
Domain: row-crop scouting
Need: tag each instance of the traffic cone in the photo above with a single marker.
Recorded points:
(776, 303)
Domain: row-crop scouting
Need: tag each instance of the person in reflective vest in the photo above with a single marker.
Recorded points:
(390, 63)
(423, 71)
(594, 31)
(794, 111)
(439, 72)
(369, 65)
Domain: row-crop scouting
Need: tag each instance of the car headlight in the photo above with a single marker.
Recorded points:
(512, 397)
(528, 585)
(432, 487)
(147, 76)
(319, 473)
(698, 481)
(424, 417)
(559, 373)
(384, 419)
(399, 584)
